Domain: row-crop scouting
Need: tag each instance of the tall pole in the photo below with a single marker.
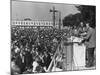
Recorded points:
(59, 20)
(53, 11)
(54, 16)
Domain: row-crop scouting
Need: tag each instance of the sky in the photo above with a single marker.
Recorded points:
(39, 11)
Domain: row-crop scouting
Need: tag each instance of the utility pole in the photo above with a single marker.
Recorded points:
(53, 11)
(59, 20)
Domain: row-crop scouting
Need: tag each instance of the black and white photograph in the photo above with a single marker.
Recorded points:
(51, 37)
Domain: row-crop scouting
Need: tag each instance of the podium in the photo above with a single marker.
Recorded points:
(74, 54)
(68, 52)
(78, 55)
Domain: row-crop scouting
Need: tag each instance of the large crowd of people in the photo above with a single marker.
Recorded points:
(32, 50)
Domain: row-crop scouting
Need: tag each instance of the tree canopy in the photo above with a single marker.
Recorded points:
(87, 14)
(72, 20)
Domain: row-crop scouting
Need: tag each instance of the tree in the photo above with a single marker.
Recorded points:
(88, 14)
(72, 20)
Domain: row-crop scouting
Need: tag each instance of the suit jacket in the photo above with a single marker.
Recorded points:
(90, 38)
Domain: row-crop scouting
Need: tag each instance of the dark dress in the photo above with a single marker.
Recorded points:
(28, 59)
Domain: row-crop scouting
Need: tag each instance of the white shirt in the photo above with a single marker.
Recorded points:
(35, 64)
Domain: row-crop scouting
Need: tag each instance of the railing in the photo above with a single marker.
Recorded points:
(33, 23)
(53, 62)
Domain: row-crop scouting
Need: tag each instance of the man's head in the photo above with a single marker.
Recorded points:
(87, 25)
(90, 24)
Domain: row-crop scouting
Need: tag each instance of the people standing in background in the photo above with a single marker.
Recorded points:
(80, 29)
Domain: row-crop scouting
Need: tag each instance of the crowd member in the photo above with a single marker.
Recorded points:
(28, 58)
(14, 68)
(35, 64)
